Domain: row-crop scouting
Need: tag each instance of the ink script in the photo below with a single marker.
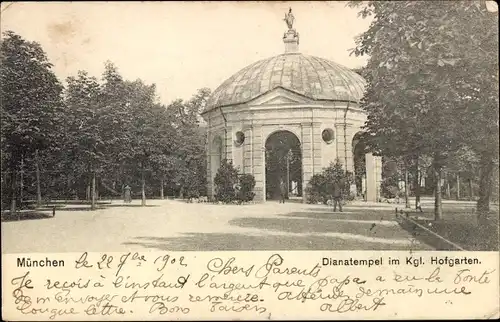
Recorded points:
(237, 285)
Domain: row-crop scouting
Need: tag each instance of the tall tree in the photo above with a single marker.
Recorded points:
(146, 134)
(84, 131)
(421, 96)
(190, 174)
(31, 102)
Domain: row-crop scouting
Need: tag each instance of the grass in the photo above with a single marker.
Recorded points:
(459, 226)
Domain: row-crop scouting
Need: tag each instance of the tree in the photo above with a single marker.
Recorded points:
(115, 119)
(143, 132)
(226, 181)
(426, 79)
(190, 174)
(464, 164)
(84, 130)
(32, 110)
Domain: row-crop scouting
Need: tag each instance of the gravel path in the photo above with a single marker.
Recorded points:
(175, 225)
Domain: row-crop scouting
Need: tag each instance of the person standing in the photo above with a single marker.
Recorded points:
(282, 191)
(128, 194)
(337, 196)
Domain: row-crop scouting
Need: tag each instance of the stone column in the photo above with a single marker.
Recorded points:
(378, 176)
(339, 143)
(247, 150)
(373, 177)
(350, 132)
(344, 135)
(227, 141)
(317, 144)
(213, 158)
(307, 156)
(257, 161)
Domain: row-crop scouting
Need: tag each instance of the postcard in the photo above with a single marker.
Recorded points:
(249, 160)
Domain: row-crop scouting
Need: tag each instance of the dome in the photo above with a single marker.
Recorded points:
(313, 77)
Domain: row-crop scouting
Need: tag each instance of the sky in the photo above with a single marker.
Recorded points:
(180, 46)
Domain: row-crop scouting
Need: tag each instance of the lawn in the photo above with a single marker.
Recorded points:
(459, 225)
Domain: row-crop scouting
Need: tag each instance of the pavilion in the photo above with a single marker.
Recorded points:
(287, 117)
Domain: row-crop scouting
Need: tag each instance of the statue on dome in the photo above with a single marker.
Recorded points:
(289, 18)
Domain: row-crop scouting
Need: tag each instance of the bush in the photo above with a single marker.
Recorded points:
(230, 187)
(317, 190)
(320, 187)
(246, 185)
(226, 181)
(390, 192)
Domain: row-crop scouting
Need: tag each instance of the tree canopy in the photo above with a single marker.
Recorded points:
(432, 80)
(94, 136)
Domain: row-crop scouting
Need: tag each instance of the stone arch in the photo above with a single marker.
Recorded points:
(283, 161)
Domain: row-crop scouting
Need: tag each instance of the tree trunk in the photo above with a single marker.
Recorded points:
(448, 192)
(21, 182)
(485, 186)
(417, 184)
(92, 193)
(13, 192)
(471, 192)
(87, 193)
(438, 207)
(68, 190)
(407, 197)
(162, 196)
(458, 186)
(38, 188)
(181, 193)
(143, 189)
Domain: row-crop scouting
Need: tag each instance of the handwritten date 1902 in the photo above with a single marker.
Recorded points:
(136, 259)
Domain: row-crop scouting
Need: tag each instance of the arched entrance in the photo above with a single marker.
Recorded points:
(283, 161)
(359, 158)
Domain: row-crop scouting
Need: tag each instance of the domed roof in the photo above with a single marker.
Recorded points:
(313, 77)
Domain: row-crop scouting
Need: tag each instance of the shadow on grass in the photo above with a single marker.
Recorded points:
(365, 210)
(467, 235)
(347, 215)
(128, 205)
(232, 241)
(62, 203)
(315, 225)
(27, 215)
(36, 213)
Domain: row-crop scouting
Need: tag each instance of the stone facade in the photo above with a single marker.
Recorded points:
(301, 94)
(283, 110)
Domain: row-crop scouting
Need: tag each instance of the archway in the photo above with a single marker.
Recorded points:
(359, 159)
(283, 160)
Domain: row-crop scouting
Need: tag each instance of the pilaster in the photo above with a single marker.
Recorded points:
(257, 161)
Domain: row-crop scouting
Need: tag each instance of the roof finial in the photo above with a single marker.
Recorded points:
(289, 18)
(291, 37)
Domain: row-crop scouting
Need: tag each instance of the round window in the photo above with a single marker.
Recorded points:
(327, 135)
(240, 138)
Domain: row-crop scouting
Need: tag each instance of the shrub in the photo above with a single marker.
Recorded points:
(390, 192)
(225, 182)
(246, 185)
(320, 187)
(231, 187)
(317, 189)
